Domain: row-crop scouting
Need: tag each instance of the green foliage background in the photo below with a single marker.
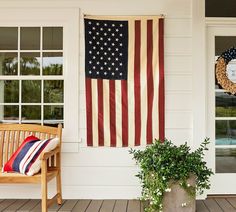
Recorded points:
(31, 89)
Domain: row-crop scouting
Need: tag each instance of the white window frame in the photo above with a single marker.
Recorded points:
(68, 18)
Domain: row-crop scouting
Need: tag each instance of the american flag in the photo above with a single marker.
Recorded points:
(124, 68)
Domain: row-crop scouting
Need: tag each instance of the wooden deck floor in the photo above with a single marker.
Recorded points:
(11, 205)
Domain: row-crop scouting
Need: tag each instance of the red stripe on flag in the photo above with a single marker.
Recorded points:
(112, 97)
(137, 97)
(150, 85)
(100, 113)
(124, 100)
(161, 82)
(89, 111)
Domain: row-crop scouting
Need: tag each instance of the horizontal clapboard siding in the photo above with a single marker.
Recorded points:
(178, 27)
(100, 176)
(109, 173)
(179, 64)
(116, 162)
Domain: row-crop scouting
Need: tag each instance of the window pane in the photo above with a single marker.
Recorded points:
(8, 63)
(9, 112)
(31, 112)
(225, 132)
(53, 91)
(52, 38)
(30, 38)
(54, 112)
(219, 8)
(52, 63)
(9, 91)
(222, 43)
(225, 105)
(225, 160)
(31, 91)
(8, 38)
(30, 63)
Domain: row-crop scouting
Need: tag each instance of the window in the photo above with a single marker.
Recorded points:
(31, 75)
(49, 40)
(219, 8)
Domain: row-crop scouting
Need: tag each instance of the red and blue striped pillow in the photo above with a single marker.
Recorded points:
(26, 158)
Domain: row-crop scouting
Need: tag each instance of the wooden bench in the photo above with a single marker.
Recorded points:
(11, 136)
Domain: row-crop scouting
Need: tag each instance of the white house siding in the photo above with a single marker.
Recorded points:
(110, 172)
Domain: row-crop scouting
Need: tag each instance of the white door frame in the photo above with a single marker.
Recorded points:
(221, 183)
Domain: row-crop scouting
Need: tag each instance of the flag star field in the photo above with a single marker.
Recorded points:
(106, 49)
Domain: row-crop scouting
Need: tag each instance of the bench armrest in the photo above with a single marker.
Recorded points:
(46, 155)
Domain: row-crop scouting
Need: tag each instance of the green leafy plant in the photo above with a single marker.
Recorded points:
(164, 163)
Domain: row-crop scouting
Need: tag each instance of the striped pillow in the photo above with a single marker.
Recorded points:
(26, 159)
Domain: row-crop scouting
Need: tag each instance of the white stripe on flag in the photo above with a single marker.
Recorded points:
(118, 114)
(143, 82)
(106, 116)
(130, 78)
(155, 117)
(95, 111)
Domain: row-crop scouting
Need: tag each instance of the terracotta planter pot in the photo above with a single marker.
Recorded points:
(173, 200)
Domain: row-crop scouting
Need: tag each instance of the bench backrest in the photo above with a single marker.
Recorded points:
(12, 135)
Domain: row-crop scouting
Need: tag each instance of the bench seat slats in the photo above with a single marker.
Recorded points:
(6, 149)
(2, 135)
(20, 178)
(12, 141)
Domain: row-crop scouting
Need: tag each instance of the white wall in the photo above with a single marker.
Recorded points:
(110, 172)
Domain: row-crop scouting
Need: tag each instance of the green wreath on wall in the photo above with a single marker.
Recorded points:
(221, 74)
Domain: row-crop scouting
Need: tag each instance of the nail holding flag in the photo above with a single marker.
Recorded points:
(124, 68)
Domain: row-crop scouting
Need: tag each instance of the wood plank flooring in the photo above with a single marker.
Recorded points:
(25, 205)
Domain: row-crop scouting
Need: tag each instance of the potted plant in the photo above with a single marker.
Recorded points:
(171, 175)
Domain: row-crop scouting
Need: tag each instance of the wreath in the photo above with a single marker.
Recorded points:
(221, 74)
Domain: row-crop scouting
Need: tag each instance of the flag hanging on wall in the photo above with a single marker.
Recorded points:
(124, 68)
